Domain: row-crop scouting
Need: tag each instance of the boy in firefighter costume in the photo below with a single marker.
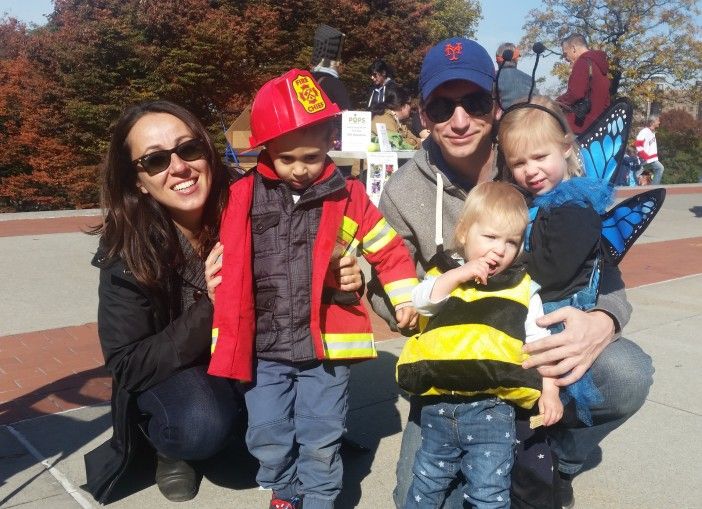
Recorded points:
(467, 358)
(280, 322)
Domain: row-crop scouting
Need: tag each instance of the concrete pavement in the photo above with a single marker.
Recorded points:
(50, 419)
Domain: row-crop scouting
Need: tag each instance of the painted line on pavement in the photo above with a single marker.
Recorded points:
(687, 276)
(58, 475)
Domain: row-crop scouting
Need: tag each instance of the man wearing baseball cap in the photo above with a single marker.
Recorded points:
(422, 202)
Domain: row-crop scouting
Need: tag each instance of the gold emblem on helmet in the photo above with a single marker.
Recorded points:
(308, 94)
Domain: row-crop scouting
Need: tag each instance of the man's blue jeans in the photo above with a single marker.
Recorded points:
(191, 414)
(623, 373)
(657, 168)
(475, 437)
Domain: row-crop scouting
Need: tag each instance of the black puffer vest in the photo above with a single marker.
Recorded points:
(283, 238)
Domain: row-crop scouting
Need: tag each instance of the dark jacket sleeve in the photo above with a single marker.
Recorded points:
(136, 353)
(577, 82)
(562, 240)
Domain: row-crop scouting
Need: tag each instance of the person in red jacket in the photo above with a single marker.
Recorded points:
(588, 83)
(281, 324)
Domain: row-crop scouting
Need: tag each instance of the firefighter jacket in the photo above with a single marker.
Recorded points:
(349, 222)
(473, 345)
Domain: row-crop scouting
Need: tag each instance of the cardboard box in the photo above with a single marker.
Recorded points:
(238, 133)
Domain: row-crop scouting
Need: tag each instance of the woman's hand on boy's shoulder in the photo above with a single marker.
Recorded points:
(213, 265)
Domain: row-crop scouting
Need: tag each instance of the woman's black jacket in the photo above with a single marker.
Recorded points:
(145, 339)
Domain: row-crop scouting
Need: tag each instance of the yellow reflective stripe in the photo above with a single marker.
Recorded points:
(401, 291)
(345, 237)
(348, 229)
(215, 335)
(348, 345)
(378, 237)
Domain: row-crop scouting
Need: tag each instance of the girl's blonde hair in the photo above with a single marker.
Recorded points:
(525, 127)
(500, 203)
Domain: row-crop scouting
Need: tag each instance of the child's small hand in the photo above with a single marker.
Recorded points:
(476, 271)
(551, 407)
(213, 264)
(347, 272)
(406, 317)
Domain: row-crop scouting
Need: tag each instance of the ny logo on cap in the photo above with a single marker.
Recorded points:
(453, 51)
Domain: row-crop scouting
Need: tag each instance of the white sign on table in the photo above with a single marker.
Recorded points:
(380, 166)
(355, 130)
(383, 138)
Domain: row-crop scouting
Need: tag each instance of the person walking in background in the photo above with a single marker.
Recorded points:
(587, 95)
(381, 75)
(281, 324)
(512, 84)
(647, 148)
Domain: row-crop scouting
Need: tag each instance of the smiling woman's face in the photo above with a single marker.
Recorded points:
(184, 186)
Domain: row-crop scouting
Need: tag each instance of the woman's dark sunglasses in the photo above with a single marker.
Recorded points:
(156, 162)
(440, 109)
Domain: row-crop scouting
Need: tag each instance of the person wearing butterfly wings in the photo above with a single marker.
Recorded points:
(456, 86)
(570, 236)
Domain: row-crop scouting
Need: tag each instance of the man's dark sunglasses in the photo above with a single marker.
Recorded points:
(440, 109)
(156, 162)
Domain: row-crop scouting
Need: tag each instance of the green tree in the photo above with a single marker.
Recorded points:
(643, 39)
(679, 140)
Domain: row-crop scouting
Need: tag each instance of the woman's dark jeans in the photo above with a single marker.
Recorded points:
(191, 415)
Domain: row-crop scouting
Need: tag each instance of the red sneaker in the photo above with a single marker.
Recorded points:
(281, 503)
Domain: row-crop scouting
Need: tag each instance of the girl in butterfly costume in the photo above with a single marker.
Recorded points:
(539, 153)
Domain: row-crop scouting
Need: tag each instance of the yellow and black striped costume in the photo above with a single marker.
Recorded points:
(473, 346)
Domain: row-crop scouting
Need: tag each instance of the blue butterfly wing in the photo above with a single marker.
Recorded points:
(624, 223)
(603, 145)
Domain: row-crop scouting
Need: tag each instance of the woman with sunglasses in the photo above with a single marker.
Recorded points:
(163, 190)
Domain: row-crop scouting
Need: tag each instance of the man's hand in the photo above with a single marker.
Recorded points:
(347, 273)
(573, 350)
(406, 317)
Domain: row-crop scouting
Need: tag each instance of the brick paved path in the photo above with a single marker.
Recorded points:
(59, 369)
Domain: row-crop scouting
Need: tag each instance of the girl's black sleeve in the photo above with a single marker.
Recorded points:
(562, 240)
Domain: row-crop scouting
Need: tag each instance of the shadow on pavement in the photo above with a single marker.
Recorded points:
(373, 415)
(70, 389)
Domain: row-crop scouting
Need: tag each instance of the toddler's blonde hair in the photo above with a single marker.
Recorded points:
(499, 203)
(525, 127)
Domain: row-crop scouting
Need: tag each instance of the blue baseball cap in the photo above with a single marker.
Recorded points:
(456, 58)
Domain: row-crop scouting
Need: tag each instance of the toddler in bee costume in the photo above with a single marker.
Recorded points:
(466, 362)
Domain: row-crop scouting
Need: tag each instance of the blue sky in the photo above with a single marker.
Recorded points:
(502, 21)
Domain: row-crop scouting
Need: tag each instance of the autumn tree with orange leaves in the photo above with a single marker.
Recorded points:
(62, 85)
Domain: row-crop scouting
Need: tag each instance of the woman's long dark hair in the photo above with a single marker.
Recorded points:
(136, 227)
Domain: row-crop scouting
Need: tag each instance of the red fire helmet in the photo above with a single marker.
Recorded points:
(286, 103)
